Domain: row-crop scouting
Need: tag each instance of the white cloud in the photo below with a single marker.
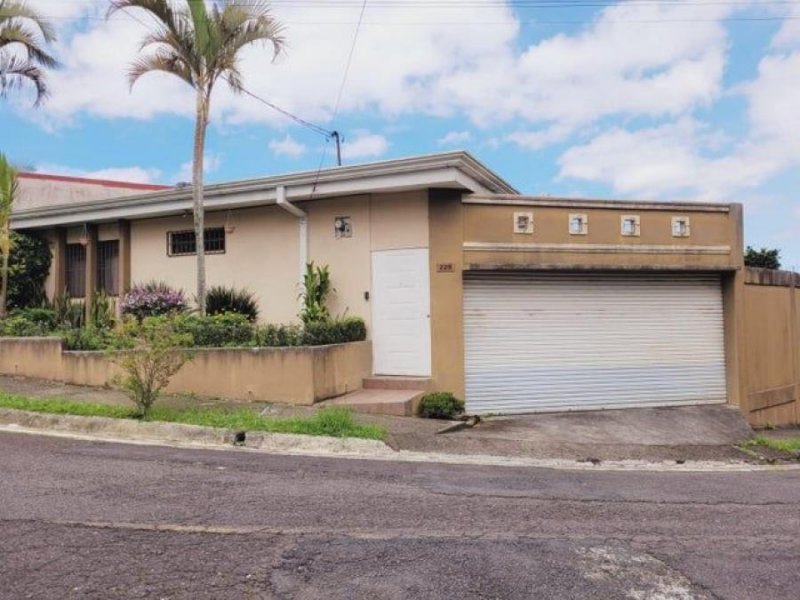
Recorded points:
(424, 59)
(684, 157)
(454, 138)
(126, 174)
(365, 145)
(288, 146)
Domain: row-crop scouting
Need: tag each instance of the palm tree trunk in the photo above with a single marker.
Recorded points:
(197, 194)
(4, 271)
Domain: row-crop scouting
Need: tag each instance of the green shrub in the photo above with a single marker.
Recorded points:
(339, 331)
(28, 267)
(270, 336)
(216, 331)
(45, 317)
(440, 405)
(221, 299)
(21, 326)
(87, 338)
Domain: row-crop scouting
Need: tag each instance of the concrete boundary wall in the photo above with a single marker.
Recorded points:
(771, 347)
(301, 375)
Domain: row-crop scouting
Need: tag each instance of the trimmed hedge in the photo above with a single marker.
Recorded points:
(216, 331)
(440, 405)
(339, 331)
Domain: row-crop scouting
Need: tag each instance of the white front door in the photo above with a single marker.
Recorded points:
(401, 328)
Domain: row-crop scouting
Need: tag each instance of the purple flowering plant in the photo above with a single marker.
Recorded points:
(153, 300)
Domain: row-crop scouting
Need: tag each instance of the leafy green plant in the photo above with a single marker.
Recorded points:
(216, 331)
(339, 331)
(28, 268)
(440, 405)
(156, 350)
(21, 326)
(87, 339)
(221, 299)
(69, 313)
(102, 311)
(268, 336)
(45, 317)
(317, 288)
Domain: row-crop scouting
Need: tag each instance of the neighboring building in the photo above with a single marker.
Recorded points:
(517, 303)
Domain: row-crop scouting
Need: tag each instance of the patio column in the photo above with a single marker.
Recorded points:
(91, 270)
(124, 228)
(58, 268)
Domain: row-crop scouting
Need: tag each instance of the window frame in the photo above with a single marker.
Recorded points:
(70, 272)
(206, 239)
(108, 265)
(687, 227)
(637, 231)
(584, 220)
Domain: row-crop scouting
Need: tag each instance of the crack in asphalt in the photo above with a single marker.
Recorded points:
(382, 536)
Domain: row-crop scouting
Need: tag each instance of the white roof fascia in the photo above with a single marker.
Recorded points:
(456, 170)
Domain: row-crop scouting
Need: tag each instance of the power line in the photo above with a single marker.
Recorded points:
(350, 58)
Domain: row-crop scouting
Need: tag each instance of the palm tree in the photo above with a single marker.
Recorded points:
(9, 187)
(201, 45)
(23, 58)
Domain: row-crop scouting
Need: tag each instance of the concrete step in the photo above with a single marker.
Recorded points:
(398, 403)
(389, 382)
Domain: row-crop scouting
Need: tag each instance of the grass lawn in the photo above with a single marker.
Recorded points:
(331, 421)
(787, 444)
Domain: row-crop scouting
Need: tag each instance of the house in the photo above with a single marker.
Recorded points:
(517, 303)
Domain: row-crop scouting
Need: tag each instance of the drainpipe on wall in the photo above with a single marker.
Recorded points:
(280, 194)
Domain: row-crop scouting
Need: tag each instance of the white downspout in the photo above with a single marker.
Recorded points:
(280, 194)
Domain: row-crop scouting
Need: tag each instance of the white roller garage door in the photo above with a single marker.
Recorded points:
(543, 342)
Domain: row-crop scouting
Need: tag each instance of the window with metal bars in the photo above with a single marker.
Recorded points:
(108, 267)
(183, 243)
(75, 267)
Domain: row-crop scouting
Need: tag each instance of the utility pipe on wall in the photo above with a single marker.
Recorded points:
(280, 194)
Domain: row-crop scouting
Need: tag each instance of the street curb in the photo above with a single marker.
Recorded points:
(194, 435)
(128, 431)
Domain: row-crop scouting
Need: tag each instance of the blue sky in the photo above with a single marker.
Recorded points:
(651, 99)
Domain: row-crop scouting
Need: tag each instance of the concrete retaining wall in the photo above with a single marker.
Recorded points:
(301, 375)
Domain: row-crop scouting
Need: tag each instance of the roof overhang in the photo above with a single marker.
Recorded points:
(454, 170)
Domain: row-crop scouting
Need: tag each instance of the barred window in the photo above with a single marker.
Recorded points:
(183, 243)
(108, 267)
(76, 270)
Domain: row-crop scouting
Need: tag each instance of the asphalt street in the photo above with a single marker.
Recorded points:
(85, 519)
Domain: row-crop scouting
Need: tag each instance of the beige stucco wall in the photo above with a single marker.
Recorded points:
(263, 252)
(262, 255)
(710, 244)
(379, 222)
(287, 375)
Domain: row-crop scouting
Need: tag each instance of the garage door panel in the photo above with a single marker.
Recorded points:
(555, 342)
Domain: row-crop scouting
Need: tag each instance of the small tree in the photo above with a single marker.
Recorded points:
(765, 258)
(150, 353)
